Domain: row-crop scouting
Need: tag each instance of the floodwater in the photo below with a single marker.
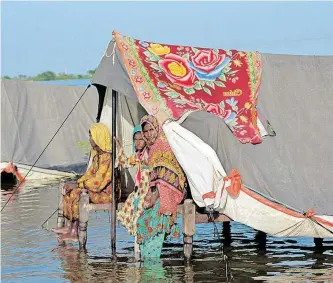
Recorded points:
(30, 253)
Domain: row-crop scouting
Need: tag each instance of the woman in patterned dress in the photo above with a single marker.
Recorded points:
(133, 206)
(97, 180)
(167, 189)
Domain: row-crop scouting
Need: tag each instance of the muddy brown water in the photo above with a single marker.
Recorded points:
(30, 253)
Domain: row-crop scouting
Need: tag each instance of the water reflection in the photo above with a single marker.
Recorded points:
(31, 254)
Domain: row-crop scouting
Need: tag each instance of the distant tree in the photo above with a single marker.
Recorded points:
(6, 77)
(22, 77)
(46, 76)
(91, 72)
(50, 76)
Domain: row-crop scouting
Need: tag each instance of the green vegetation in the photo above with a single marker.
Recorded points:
(51, 76)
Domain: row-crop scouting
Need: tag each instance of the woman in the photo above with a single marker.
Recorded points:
(97, 180)
(133, 206)
(167, 190)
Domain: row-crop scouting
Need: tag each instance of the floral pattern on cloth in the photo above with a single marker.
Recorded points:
(173, 81)
(97, 180)
(152, 228)
(133, 206)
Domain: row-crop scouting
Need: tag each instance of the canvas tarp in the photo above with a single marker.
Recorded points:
(31, 114)
(295, 167)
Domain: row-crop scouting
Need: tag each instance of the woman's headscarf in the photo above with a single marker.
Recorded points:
(101, 136)
(149, 119)
(165, 170)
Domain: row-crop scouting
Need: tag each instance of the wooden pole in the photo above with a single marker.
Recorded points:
(188, 228)
(114, 200)
(83, 218)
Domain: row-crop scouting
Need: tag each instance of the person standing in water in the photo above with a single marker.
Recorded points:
(96, 180)
(167, 188)
(133, 206)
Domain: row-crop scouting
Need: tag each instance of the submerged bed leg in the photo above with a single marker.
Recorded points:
(226, 232)
(137, 253)
(318, 243)
(83, 218)
(188, 228)
(61, 218)
(261, 239)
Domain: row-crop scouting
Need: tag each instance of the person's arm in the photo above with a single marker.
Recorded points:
(122, 160)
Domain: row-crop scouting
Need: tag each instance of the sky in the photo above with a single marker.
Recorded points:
(72, 36)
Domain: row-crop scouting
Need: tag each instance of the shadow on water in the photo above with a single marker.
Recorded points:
(31, 254)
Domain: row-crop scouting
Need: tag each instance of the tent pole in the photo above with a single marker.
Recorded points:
(114, 199)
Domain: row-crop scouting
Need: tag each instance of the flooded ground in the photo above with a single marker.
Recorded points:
(30, 253)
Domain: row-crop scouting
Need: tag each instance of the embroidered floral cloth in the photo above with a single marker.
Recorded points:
(173, 81)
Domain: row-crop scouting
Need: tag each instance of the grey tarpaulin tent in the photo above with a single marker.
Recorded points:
(31, 113)
(295, 167)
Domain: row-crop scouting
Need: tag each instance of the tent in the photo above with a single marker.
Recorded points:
(285, 162)
(31, 114)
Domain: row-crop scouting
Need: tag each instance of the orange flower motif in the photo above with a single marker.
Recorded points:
(146, 95)
(138, 79)
(243, 119)
(237, 63)
(150, 230)
(124, 46)
(132, 63)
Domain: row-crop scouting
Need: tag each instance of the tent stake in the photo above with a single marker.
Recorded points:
(113, 205)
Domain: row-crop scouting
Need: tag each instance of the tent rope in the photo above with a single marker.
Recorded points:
(228, 273)
(17, 186)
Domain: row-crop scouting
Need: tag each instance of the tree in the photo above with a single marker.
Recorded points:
(6, 77)
(47, 76)
(91, 72)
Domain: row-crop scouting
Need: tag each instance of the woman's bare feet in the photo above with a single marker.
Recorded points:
(69, 237)
(63, 230)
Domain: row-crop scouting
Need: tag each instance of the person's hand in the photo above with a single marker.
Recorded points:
(68, 187)
(151, 197)
(118, 145)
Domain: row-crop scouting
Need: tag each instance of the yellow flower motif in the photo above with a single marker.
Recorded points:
(177, 69)
(247, 105)
(175, 86)
(172, 178)
(237, 63)
(243, 118)
(162, 172)
(158, 49)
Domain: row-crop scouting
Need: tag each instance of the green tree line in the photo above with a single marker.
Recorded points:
(51, 76)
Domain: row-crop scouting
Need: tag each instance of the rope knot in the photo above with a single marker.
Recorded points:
(236, 181)
(310, 213)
